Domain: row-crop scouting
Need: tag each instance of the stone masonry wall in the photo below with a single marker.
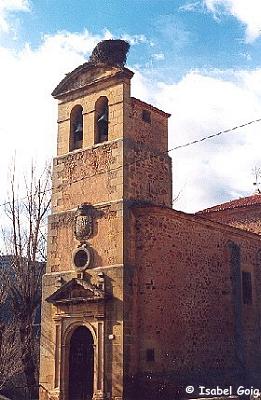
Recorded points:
(153, 134)
(147, 175)
(105, 242)
(93, 175)
(147, 165)
(185, 306)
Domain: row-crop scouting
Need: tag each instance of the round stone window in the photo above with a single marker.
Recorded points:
(82, 258)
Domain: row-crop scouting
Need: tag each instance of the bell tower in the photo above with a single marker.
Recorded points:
(111, 155)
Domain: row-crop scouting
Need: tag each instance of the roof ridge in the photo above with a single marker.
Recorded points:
(246, 201)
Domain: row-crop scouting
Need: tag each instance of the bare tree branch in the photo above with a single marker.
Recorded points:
(27, 249)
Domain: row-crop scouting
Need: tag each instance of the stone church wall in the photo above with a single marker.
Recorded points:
(247, 218)
(147, 165)
(187, 303)
(147, 176)
(171, 311)
(152, 133)
(105, 242)
(93, 175)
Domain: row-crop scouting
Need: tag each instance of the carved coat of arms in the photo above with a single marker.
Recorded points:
(83, 224)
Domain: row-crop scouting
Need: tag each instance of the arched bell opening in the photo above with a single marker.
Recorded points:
(81, 365)
(101, 120)
(76, 128)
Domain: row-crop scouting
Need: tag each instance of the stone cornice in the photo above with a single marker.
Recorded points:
(171, 213)
(69, 84)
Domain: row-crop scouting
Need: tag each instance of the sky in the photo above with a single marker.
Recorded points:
(199, 60)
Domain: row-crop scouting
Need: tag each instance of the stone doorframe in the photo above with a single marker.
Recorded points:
(65, 325)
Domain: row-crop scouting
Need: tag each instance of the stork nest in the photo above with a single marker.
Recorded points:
(112, 52)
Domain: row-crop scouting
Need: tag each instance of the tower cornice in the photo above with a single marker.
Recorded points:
(89, 75)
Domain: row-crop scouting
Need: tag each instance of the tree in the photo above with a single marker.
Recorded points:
(26, 243)
(10, 363)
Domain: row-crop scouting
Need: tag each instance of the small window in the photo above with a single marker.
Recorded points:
(150, 355)
(246, 288)
(146, 116)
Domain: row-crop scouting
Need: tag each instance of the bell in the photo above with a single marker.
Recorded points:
(78, 128)
(103, 117)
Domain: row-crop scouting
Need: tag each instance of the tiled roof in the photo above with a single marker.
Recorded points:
(255, 199)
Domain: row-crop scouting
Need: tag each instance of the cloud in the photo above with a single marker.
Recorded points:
(201, 103)
(28, 112)
(135, 39)
(158, 56)
(8, 7)
(191, 7)
(247, 12)
(246, 56)
(219, 169)
(172, 31)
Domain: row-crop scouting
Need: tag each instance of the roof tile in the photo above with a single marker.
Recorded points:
(255, 199)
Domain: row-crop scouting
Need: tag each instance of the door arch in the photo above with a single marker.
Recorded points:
(81, 364)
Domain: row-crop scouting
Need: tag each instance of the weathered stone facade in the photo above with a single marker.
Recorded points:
(187, 301)
(243, 213)
(158, 291)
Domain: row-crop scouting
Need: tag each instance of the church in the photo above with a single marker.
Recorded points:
(139, 300)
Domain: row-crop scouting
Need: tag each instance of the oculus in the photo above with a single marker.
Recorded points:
(82, 258)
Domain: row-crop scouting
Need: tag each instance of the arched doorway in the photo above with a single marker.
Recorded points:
(81, 362)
